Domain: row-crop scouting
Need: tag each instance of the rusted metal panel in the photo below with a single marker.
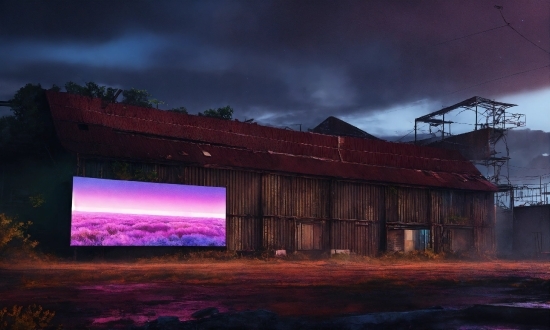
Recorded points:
(472, 145)
(412, 205)
(122, 131)
(342, 234)
(310, 235)
(293, 196)
(484, 239)
(366, 238)
(279, 233)
(407, 205)
(396, 240)
(356, 201)
(243, 233)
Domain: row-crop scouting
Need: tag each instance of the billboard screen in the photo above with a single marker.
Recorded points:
(130, 213)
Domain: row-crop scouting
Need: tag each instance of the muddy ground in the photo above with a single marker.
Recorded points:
(88, 295)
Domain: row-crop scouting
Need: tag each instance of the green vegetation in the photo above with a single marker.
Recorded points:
(34, 317)
(222, 113)
(91, 89)
(137, 97)
(29, 132)
(37, 200)
(179, 110)
(14, 238)
(123, 171)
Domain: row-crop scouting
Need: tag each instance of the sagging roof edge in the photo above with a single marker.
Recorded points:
(482, 186)
(86, 157)
(447, 154)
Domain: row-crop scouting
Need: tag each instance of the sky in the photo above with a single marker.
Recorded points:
(131, 197)
(376, 64)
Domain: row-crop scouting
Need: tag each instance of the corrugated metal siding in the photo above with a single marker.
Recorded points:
(413, 205)
(458, 209)
(367, 237)
(268, 210)
(356, 201)
(279, 233)
(243, 233)
(298, 197)
(407, 205)
(396, 240)
(311, 235)
(342, 234)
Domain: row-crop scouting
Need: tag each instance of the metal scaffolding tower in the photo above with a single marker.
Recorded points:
(492, 118)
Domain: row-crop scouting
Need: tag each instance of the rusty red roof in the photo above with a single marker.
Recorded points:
(124, 131)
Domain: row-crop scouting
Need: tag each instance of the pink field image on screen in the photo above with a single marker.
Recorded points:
(112, 229)
(130, 213)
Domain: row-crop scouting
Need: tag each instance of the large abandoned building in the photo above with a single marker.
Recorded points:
(289, 190)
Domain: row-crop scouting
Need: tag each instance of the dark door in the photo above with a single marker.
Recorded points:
(310, 236)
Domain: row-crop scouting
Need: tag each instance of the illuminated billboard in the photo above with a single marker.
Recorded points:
(130, 213)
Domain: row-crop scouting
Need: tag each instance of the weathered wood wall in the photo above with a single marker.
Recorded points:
(274, 211)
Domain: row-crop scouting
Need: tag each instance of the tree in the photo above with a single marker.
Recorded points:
(222, 113)
(30, 130)
(91, 89)
(156, 102)
(137, 97)
(179, 110)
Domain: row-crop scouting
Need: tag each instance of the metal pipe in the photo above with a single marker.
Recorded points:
(443, 133)
(476, 119)
(415, 131)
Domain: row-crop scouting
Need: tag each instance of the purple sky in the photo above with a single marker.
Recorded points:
(114, 196)
(376, 64)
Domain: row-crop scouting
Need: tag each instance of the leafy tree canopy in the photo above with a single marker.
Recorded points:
(179, 110)
(222, 113)
(137, 97)
(91, 89)
(30, 130)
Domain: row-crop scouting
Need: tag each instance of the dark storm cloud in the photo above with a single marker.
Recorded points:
(284, 61)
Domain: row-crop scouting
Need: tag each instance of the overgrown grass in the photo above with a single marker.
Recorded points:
(429, 255)
(269, 255)
(197, 256)
(33, 317)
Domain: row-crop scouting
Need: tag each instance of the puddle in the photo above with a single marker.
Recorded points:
(545, 305)
(180, 309)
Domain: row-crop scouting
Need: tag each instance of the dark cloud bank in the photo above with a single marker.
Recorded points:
(282, 62)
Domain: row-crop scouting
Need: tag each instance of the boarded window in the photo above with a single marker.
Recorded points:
(396, 240)
(310, 236)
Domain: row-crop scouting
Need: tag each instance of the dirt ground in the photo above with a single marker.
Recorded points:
(116, 295)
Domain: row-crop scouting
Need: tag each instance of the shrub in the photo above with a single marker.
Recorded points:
(34, 317)
(13, 235)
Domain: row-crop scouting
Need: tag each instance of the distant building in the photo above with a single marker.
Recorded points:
(338, 127)
(288, 190)
(531, 231)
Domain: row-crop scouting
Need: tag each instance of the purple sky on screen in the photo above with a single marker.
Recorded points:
(115, 196)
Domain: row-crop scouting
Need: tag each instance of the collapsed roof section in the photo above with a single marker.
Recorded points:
(133, 133)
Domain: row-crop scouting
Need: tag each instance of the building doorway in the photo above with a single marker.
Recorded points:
(407, 240)
(310, 236)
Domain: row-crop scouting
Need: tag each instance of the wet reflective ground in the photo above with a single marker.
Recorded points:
(116, 295)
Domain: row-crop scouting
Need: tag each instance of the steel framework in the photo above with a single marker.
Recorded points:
(491, 115)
